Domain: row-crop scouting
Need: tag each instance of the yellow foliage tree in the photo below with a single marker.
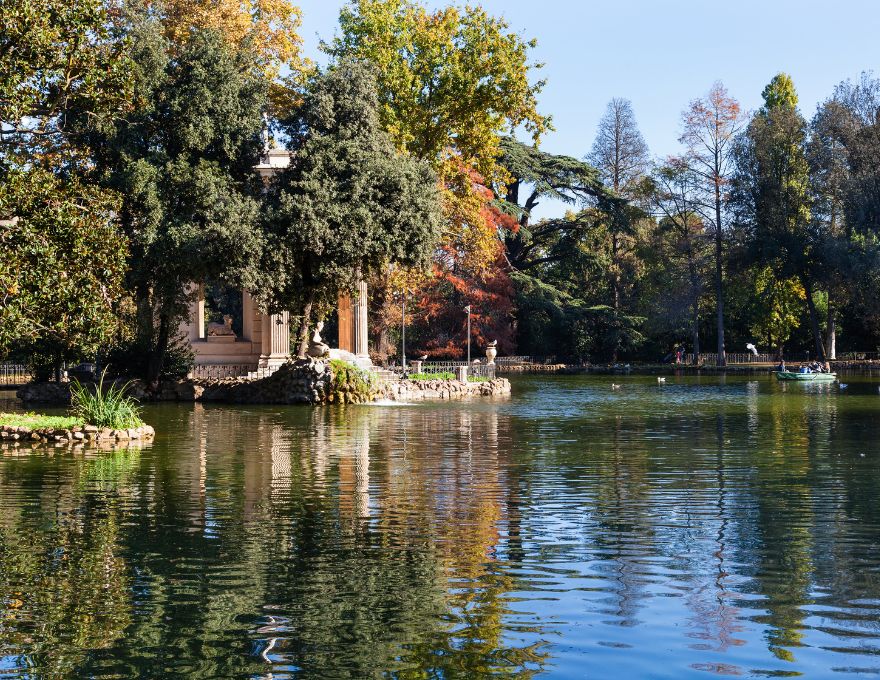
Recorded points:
(270, 28)
(452, 82)
(777, 306)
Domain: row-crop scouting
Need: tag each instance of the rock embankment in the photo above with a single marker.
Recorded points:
(78, 434)
(420, 390)
(310, 381)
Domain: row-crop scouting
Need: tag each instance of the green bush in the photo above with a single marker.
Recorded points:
(129, 358)
(446, 375)
(478, 378)
(104, 408)
(350, 384)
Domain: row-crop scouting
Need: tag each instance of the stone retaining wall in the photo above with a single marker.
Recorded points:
(420, 390)
(298, 382)
(11, 434)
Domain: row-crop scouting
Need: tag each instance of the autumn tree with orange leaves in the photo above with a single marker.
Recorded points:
(710, 125)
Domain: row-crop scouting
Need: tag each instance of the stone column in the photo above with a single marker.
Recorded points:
(193, 327)
(353, 328)
(275, 340)
(343, 310)
(359, 321)
(247, 316)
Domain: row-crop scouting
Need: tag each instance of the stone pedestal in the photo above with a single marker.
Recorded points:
(275, 340)
(416, 366)
(461, 373)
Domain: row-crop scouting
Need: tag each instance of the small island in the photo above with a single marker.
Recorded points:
(96, 414)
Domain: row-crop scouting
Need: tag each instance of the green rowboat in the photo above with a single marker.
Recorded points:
(806, 377)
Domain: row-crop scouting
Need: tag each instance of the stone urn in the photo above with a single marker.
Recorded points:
(491, 352)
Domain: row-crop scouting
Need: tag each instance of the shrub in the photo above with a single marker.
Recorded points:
(446, 375)
(350, 384)
(105, 408)
(129, 358)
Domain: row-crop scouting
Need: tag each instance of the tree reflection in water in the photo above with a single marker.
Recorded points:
(727, 527)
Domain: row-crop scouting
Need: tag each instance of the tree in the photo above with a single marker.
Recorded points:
(349, 204)
(62, 265)
(183, 162)
(710, 126)
(772, 194)
(59, 64)
(842, 148)
(451, 83)
(681, 237)
(534, 176)
(774, 307)
(266, 29)
(621, 156)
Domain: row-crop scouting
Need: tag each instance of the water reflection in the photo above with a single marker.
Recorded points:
(700, 527)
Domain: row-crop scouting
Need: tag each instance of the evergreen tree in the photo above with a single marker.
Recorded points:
(348, 205)
(183, 162)
(772, 195)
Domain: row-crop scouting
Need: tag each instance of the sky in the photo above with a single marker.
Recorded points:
(661, 54)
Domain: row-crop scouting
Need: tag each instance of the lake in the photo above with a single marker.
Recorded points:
(709, 525)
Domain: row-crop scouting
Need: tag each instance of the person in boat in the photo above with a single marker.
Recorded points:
(781, 366)
(806, 369)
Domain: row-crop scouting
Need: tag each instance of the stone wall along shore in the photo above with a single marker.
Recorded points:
(297, 382)
(80, 434)
(448, 390)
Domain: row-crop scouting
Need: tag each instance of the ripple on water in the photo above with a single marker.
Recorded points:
(702, 526)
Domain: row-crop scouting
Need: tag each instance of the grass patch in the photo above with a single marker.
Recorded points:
(38, 421)
(447, 375)
(478, 378)
(105, 408)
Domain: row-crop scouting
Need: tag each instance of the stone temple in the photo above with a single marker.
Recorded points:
(264, 341)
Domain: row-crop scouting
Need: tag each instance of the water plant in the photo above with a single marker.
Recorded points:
(110, 407)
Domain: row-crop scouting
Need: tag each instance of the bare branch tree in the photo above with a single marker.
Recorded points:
(710, 125)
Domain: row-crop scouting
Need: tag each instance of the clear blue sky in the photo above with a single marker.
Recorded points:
(662, 53)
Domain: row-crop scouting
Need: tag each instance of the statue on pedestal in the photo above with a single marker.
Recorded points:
(221, 329)
(317, 347)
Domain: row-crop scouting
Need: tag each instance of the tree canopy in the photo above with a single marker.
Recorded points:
(349, 204)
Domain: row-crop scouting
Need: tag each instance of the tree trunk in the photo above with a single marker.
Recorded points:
(814, 319)
(615, 284)
(832, 332)
(145, 316)
(157, 354)
(304, 327)
(719, 280)
(696, 331)
(383, 347)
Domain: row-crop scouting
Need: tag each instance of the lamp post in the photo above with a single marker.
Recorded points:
(403, 331)
(468, 310)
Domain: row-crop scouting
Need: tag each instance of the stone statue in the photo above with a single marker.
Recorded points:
(265, 134)
(317, 347)
(221, 329)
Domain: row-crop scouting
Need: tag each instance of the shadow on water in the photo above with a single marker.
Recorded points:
(704, 525)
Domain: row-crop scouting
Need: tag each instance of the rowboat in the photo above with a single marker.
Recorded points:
(806, 377)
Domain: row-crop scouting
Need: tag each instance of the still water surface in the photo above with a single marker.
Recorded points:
(709, 525)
